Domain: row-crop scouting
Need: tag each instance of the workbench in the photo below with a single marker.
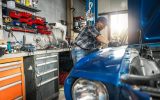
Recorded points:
(23, 54)
(37, 70)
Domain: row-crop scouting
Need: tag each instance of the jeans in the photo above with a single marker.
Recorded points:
(78, 53)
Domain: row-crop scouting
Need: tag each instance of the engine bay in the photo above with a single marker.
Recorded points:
(144, 71)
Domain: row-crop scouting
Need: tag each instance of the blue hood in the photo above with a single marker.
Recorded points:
(144, 16)
(104, 61)
(101, 65)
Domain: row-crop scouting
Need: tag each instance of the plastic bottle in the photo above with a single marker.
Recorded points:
(31, 3)
(23, 2)
(27, 2)
(9, 49)
(11, 4)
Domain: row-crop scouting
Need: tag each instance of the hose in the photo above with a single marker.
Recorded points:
(139, 80)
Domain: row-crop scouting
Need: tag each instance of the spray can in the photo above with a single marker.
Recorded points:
(31, 3)
(23, 2)
(11, 4)
(27, 2)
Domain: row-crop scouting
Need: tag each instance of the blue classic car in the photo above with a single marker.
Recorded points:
(130, 72)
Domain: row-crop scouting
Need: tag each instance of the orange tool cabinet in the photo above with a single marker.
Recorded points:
(12, 85)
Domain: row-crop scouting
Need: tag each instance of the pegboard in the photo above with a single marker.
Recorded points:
(79, 8)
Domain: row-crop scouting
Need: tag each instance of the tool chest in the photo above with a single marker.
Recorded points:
(41, 74)
(12, 85)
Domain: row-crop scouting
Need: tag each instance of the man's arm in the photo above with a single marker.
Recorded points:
(102, 39)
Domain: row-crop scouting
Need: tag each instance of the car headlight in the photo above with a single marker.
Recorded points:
(89, 90)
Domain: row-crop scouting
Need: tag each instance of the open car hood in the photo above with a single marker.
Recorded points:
(144, 21)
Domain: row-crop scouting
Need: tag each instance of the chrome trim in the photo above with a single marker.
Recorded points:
(10, 64)
(47, 63)
(45, 82)
(19, 98)
(46, 57)
(44, 73)
(9, 68)
(10, 85)
(11, 76)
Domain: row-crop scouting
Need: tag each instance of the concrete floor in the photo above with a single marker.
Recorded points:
(61, 94)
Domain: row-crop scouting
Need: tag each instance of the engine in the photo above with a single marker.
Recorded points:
(144, 71)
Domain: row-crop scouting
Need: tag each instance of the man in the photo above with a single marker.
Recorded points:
(89, 39)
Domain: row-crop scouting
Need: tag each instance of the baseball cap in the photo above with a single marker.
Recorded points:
(102, 19)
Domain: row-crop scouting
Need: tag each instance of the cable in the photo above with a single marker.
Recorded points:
(11, 33)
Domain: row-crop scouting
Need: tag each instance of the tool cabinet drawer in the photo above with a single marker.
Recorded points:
(11, 91)
(9, 64)
(40, 68)
(47, 60)
(45, 76)
(46, 55)
(48, 91)
(9, 71)
(10, 79)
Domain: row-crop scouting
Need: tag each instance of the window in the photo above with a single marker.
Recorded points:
(119, 27)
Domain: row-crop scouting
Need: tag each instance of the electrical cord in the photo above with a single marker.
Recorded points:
(10, 34)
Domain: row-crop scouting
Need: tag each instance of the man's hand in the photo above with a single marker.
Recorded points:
(102, 39)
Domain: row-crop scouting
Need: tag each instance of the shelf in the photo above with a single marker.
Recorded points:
(23, 30)
(22, 6)
(18, 5)
(20, 29)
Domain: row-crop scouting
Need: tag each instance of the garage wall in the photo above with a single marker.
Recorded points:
(79, 7)
(105, 6)
(53, 10)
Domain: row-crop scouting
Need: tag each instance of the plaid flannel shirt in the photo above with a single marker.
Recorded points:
(87, 38)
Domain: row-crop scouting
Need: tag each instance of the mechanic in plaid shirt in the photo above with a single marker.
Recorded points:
(89, 39)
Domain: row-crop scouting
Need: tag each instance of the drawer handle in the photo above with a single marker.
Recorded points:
(10, 64)
(45, 82)
(9, 68)
(47, 63)
(11, 76)
(44, 73)
(19, 98)
(46, 57)
(10, 85)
